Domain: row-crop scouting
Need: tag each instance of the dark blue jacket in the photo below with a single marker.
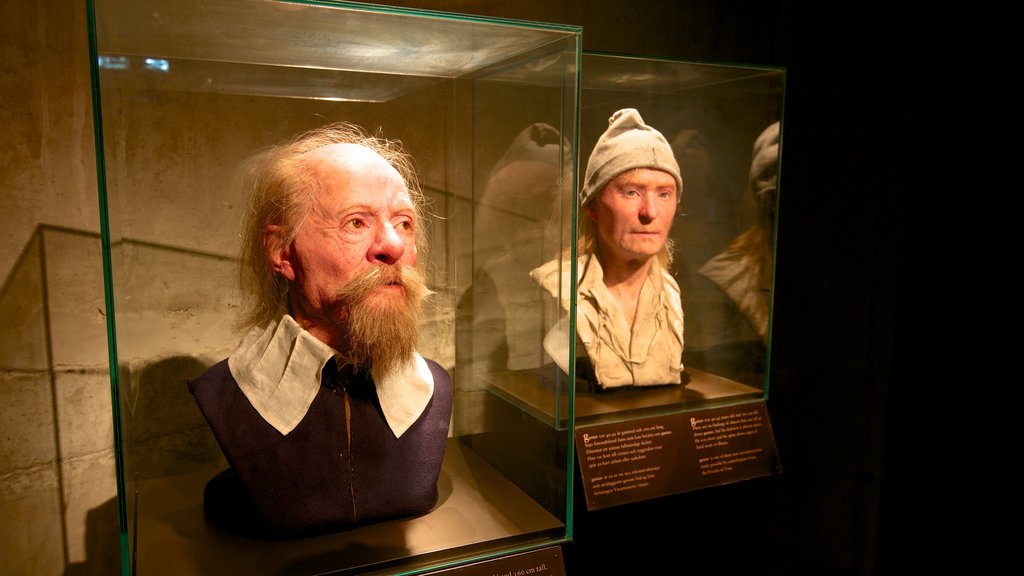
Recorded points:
(340, 467)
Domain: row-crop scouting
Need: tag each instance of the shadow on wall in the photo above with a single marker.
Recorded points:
(165, 435)
(102, 543)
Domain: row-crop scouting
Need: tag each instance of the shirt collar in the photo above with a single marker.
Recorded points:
(278, 368)
(592, 277)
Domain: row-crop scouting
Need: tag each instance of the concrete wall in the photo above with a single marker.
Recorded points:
(56, 443)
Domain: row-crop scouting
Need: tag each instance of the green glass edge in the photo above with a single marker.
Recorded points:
(571, 383)
(718, 63)
(108, 292)
(775, 237)
(370, 7)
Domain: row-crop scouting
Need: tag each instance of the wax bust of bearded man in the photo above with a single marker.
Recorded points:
(629, 326)
(327, 415)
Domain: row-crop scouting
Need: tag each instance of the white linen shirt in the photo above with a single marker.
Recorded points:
(648, 353)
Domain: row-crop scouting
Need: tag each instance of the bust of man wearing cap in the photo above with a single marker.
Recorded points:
(629, 324)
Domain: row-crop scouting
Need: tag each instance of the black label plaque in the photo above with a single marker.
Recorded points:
(543, 562)
(647, 458)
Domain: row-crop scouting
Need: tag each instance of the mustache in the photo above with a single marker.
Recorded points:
(380, 332)
(382, 275)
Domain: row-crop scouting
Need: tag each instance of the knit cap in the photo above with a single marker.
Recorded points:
(628, 143)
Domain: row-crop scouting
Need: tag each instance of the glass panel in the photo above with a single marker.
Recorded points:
(56, 445)
(187, 92)
(516, 403)
(32, 498)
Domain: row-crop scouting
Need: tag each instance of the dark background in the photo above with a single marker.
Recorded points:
(862, 292)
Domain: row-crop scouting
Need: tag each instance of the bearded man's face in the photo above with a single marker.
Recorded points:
(351, 263)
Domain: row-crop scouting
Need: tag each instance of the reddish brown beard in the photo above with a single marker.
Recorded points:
(381, 330)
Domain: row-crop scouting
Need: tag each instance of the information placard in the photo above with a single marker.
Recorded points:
(646, 458)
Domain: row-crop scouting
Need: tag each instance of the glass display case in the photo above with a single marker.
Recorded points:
(722, 236)
(723, 125)
(184, 93)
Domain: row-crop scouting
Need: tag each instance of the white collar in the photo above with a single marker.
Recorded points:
(278, 368)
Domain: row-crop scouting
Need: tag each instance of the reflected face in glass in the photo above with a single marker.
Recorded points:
(361, 217)
(633, 214)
